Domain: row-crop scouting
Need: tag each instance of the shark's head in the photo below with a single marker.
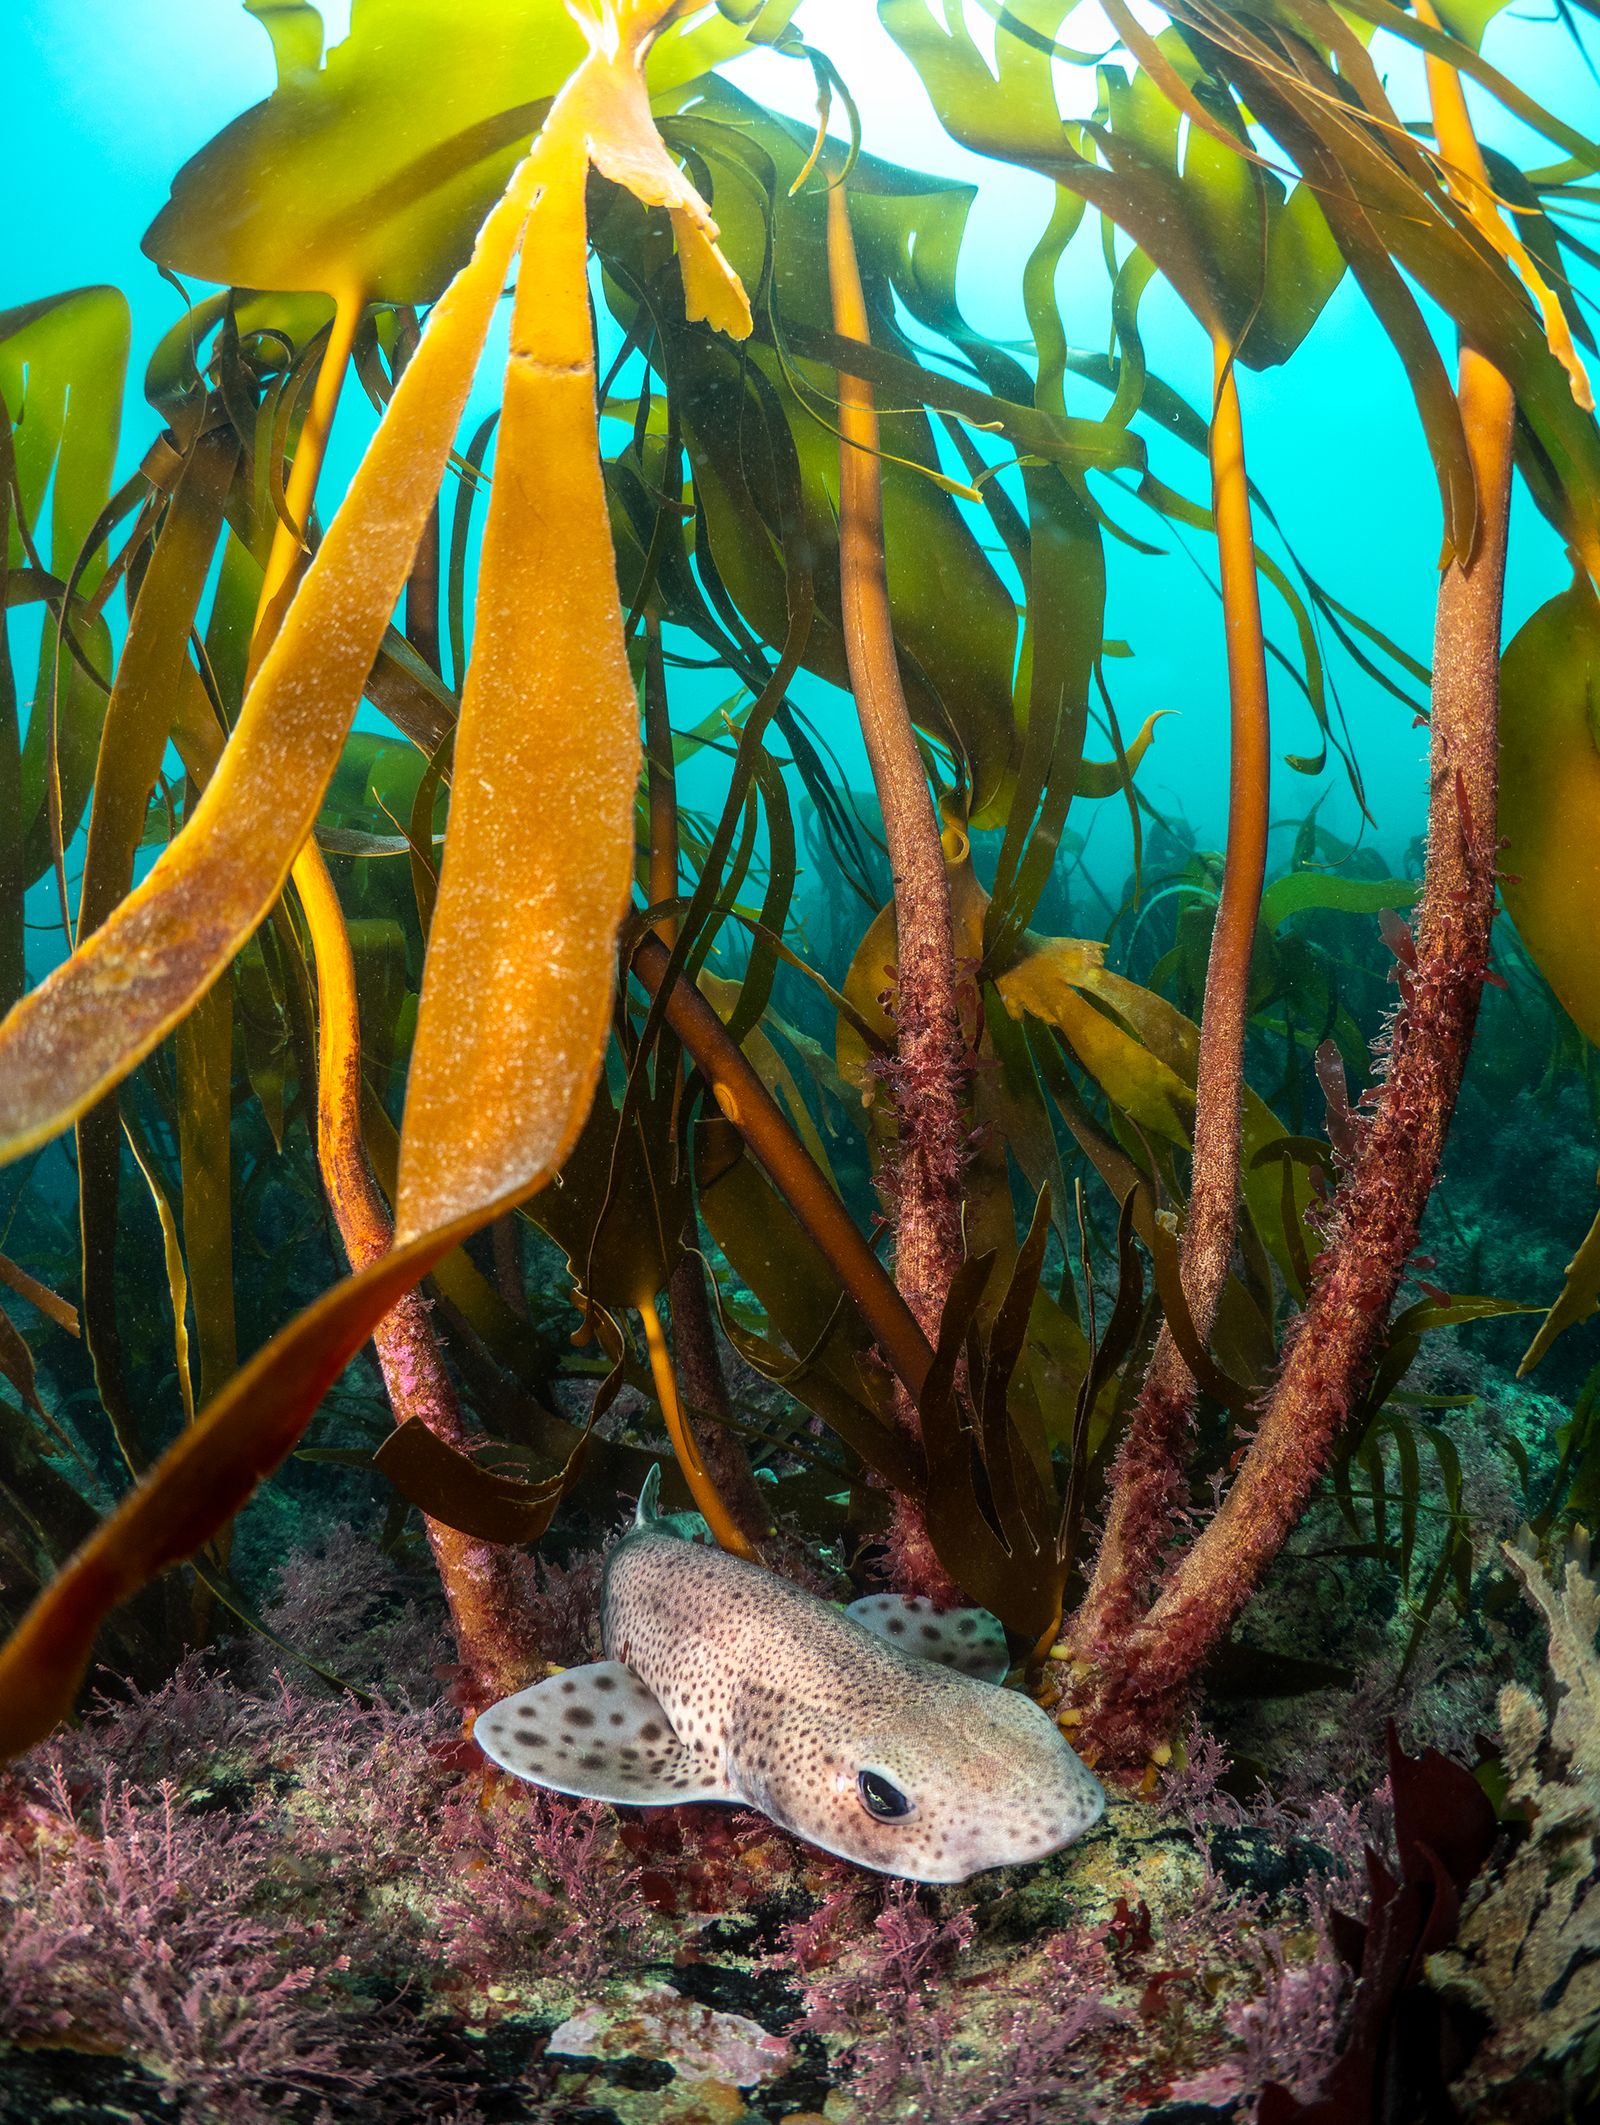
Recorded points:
(947, 1779)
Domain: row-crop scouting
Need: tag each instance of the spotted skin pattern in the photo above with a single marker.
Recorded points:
(769, 1696)
(598, 1732)
(969, 1640)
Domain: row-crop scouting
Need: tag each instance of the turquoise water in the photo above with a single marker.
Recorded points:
(101, 100)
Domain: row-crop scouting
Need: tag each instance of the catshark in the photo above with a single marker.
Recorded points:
(878, 1732)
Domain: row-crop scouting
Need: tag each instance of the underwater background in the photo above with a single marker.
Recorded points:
(102, 103)
(1098, 1124)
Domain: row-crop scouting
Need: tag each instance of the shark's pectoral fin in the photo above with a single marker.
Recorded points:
(969, 1640)
(599, 1733)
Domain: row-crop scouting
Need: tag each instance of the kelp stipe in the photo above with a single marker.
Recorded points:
(1376, 1216)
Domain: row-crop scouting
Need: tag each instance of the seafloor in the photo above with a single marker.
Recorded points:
(249, 1896)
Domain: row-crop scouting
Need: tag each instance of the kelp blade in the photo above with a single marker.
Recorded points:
(1549, 791)
(538, 863)
(319, 187)
(192, 1493)
(99, 1013)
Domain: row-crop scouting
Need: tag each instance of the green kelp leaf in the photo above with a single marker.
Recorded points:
(1404, 1336)
(1382, 199)
(264, 1035)
(1065, 611)
(1390, 209)
(374, 173)
(1468, 19)
(203, 1046)
(1299, 892)
(138, 718)
(1573, 1487)
(1550, 796)
(1105, 778)
(772, 1070)
(296, 32)
(772, 1254)
(1579, 1297)
(618, 1204)
(383, 987)
(1143, 1053)
(1217, 224)
(1008, 1562)
(1056, 1360)
(62, 364)
(1051, 984)
(760, 421)
(1271, 259)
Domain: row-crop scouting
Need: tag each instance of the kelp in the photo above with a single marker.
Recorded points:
(319, 188)
(61, 373)
(1550, 783)
(1390, 1174)
(611, 1010)
(1144, 1480)
(925, 1064)
(232, 857)
(1305, 77)
(760, 427)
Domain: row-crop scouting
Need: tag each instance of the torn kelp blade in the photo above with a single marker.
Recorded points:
(320, 186)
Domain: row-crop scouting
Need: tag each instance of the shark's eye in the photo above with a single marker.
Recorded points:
(881, 1799)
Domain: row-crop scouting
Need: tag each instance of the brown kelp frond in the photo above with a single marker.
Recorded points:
(181, 925)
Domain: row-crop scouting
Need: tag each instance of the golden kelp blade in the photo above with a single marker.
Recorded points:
(538, 860)
(103, 1010)
(538, 863)
(612, 109)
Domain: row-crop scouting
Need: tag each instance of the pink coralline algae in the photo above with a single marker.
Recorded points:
(262, 1899)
